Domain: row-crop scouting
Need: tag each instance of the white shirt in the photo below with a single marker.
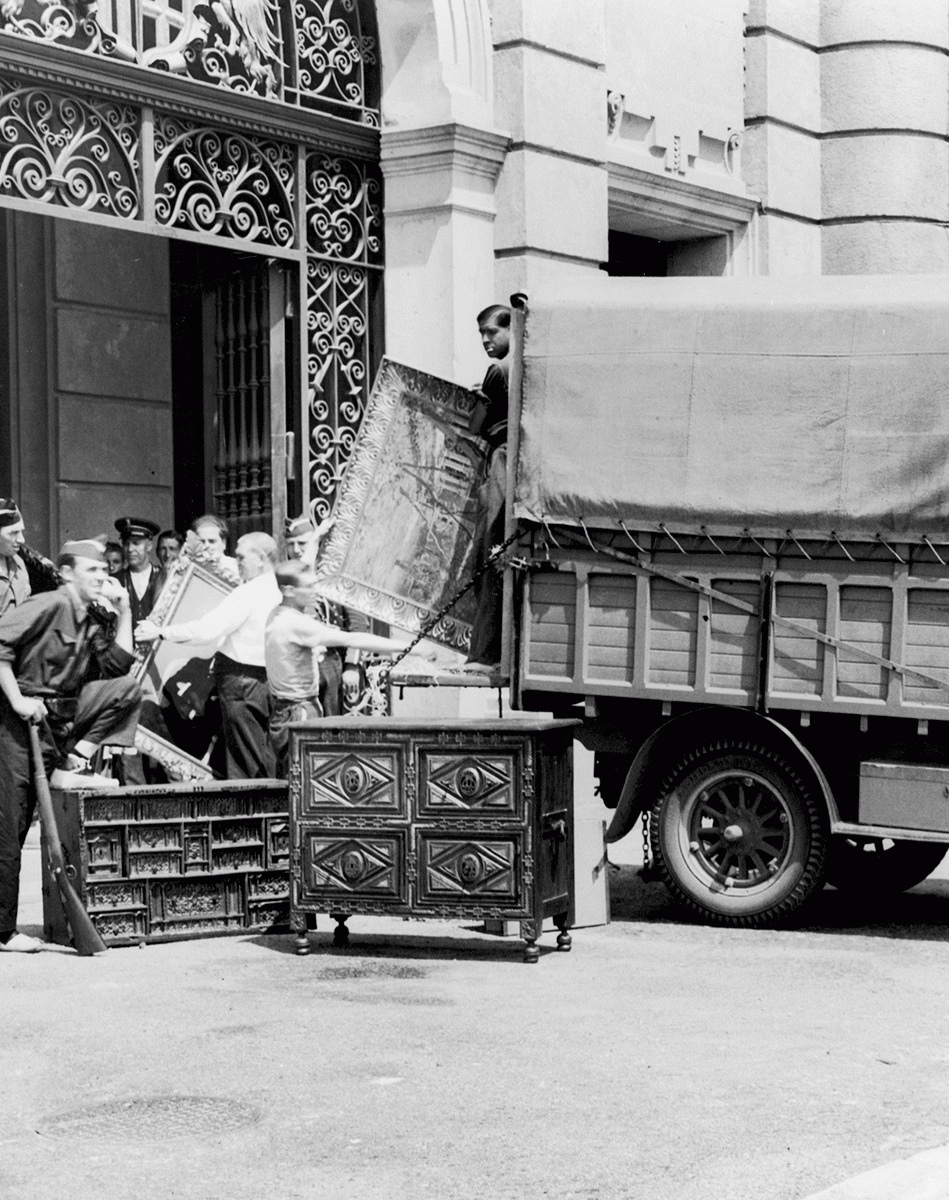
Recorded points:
(237, 623)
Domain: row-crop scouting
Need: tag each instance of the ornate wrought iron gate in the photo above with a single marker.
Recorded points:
(251, 126)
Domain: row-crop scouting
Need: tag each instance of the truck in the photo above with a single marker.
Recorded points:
(731, 506)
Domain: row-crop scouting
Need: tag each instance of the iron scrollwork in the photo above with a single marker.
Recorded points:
(60, 149)
(221, 183)
(344, 224)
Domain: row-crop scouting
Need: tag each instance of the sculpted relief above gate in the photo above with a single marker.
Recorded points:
(309, 53)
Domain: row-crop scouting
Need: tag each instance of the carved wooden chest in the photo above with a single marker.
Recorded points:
(175, 860)
(432, 818)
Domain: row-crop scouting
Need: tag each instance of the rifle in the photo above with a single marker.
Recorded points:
(85, 936)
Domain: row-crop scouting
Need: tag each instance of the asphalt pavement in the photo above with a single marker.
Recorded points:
(659, 1060)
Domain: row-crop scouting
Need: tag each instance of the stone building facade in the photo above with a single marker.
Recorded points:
(216, 217)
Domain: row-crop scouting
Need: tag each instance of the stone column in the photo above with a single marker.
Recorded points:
(441, 155)
(884, 156)
(552, 195)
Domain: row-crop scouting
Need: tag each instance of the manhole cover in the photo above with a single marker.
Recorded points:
(153, 1119)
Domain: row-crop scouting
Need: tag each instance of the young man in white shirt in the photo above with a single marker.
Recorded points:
(236, 628)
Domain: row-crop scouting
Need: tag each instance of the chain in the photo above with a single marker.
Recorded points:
(645, 842)
(434, 620)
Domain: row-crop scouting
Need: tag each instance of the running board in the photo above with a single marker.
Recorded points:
(848, 829)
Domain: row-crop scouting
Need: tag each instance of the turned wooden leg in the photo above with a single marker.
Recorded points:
(340, 933)
(298, 925)
(564, 940)
(530, 931)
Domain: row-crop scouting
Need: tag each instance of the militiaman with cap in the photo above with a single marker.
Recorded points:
(64, 666)
(14, 580)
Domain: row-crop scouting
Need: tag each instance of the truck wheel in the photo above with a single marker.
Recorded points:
(738, 835)
(858, 864)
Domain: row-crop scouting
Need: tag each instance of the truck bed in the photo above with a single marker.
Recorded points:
(663, 627)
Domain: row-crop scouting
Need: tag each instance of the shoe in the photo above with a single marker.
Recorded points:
(21, 943)
(84, 780)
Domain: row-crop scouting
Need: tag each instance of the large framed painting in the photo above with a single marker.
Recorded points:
(406, 510)
(177, 727)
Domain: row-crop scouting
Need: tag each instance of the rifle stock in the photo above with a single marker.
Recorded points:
(85, 936)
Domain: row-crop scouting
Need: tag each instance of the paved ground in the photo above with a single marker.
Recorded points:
(659, 1060)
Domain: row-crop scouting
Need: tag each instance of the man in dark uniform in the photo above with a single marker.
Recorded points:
(140, 577)
(64, 662)
(14, 580)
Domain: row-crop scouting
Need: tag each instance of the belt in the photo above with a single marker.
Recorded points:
(286, 702)
(230, 666)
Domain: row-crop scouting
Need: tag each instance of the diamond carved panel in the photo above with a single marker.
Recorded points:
(367, 781)
(369, 867)
(460, 868)
(460, 783)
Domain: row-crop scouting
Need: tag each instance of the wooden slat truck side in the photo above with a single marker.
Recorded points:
(734, 515)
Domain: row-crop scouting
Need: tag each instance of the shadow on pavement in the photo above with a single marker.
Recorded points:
(919, 915)
(506, 950)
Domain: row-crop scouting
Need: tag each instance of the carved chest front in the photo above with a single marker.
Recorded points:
(432, 818)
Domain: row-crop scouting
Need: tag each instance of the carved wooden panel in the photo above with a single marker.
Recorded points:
(370, 867)
(468, 783)
(456, 869)
(364, 779)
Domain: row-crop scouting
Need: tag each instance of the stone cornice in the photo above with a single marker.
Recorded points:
(55, 66)
(701, 210)
(451, 146)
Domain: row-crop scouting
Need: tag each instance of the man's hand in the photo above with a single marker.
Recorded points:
(352, 683)
(30, 708)
(147, 631)
(113, 593)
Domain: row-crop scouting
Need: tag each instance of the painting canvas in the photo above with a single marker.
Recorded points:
(175, 676)
(407, 507)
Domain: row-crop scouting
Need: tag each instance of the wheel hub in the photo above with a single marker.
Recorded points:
(739, 831)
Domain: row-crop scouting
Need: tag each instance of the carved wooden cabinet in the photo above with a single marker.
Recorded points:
(432, 818)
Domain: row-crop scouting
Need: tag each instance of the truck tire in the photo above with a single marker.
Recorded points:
(864, 864)
(738, 835)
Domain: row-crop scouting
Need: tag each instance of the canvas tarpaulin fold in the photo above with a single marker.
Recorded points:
(814, 404)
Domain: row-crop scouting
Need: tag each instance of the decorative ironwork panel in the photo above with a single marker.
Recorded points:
(61, 149)
(344, 244)
(451, 869)
(224, 184)
(458, 784)
(71, 23)
(332, 56)
(369, 781)
(308, 53)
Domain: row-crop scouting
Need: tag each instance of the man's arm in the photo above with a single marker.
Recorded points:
(28, 707)
(214, 626)
(313, 633)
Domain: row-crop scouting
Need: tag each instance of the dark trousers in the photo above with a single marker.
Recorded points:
(285, 712)
(331, 684)
(104, 711)
(245, 717)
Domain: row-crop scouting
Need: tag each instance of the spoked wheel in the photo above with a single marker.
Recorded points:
(738, 835)
(880, 864)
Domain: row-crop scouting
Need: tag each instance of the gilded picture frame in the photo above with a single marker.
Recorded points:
(175, 670)
(407, 507)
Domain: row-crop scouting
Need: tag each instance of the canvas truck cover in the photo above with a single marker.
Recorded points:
(817, 405)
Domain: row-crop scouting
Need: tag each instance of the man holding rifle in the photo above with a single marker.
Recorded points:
(64, 662)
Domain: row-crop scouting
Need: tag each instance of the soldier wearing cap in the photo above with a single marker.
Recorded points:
(340, 678)
(140, 578)
(63, 662)
(14, 581)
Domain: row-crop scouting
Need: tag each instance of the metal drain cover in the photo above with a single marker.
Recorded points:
(152, 1119)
